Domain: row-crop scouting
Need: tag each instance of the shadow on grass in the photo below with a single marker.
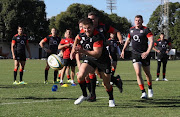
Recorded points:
(38, 98)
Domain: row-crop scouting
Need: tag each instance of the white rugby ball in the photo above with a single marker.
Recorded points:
(55, 62)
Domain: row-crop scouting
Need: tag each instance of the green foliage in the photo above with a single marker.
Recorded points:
(27, 13)
(174, 23)
(75, 12)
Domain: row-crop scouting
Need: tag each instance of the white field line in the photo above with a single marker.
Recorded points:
(11, 103)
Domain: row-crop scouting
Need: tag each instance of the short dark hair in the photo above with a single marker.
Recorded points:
(93, 13)
(139, 16)
(80, 21)
(162, 33)
(20, 27)
(87, 21)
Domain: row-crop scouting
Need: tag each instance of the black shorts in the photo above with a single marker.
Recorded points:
(162, 58)
(103, 66)
(137, 58)
(20, 56)
(69, 62)
(114, 57)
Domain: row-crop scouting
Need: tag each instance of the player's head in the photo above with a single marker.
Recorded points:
(94, 17)
(112, 35)
(20, 30)
(80, 24)
(138, 20)
(162, 35)
(53, 31)
(88, 26)
(68, 33)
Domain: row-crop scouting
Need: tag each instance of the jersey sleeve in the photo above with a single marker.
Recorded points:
(129, 36)
(79, 38)
(155, 43)
(98, 43)
(14, 39)
(46, 39)
(148, 33)
(62, 41)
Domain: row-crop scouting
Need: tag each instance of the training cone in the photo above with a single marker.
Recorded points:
(65, 85)
(54, 88)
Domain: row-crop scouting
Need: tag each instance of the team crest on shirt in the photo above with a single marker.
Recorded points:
(83, 38)
(81, 42)
(159, 42)
(22, 42)
(101, 30)
(18, 38)
(55, 42)
(141, 31)
(66, 40)
(132, 31)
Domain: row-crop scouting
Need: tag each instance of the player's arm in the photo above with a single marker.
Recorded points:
(96, 52)
(61, 46)
(76, 41)
(28, 49)
(42, 45)
(12, 48)
(119, 51)
(154, 48)
(151, 42)
(118, 35)
(77, 56)
(125, 46)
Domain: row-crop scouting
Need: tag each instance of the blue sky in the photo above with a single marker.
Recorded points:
(125, 8)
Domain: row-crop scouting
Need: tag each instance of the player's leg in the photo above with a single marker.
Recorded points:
(22, 65)
(108, 87)
(164, 68)
(16, 66)
(73, 64)
(59, 76)
(68, 73)
(55, 77)
(46, 73)
(158, 68)
(84, 70)
(88, 84)
(62, 74)
(93, 79)
(149, 80)
(137, 68)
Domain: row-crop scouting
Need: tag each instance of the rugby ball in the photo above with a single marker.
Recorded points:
(55, 62)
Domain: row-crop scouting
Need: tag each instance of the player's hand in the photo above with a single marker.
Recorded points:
(158, 51)
(77, 49)
(121, 42)
(14, 57)
(144, 55)
(122, 55)
(167, 52)
(72, 54)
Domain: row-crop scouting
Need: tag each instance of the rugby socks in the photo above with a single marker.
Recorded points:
(55, 75)
(149, 85)
(113, 71)
(157, 75)
(110, 93)
(93, 84)
(83, 87)
(164, 75)
(15, 74)
(46, 74)
(88, 85)
(68, 77)
(21, 74)
(142, 88)
(59, 76)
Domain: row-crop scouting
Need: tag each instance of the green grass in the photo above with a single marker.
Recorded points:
(37, 100)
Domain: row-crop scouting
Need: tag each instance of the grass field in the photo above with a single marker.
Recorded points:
(37, 100)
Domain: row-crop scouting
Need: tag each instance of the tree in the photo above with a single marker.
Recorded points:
(75, 12)
(174, 23)
(27, 13)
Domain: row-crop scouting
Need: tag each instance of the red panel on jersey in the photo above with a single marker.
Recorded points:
(95, 32)
(45, 39)
(79, 38)
(129, 36)
(155, 44)
(111, 29)
(13, 41)
(149, 34)
(169, 43)
(27, 41)
(98, 43)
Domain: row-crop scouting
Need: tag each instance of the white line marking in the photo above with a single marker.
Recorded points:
(11, 103)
